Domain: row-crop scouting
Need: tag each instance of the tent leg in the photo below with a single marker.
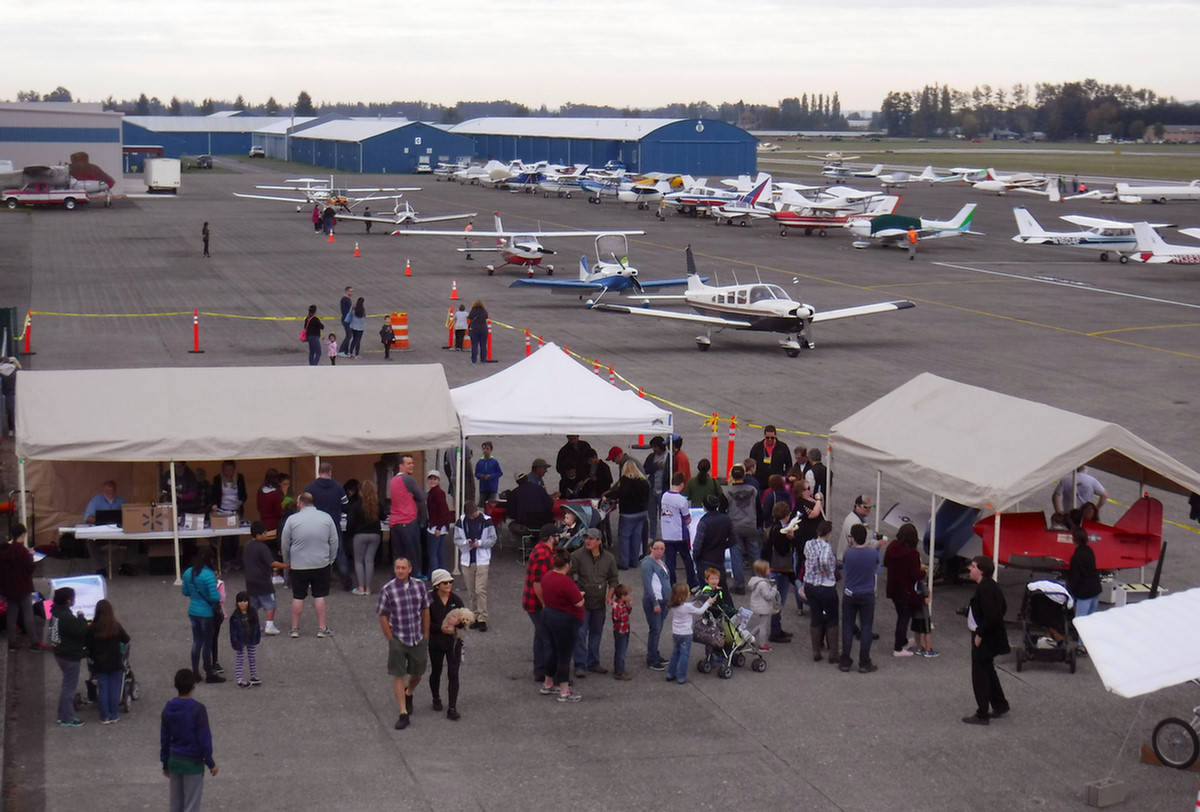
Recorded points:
(460, 469)
(174, 525)
(24, 502)
(932, 549)
(878, 491)
(996, 546)
(828, 481)
(317, 467)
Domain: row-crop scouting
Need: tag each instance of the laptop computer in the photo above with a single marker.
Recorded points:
(109, 517)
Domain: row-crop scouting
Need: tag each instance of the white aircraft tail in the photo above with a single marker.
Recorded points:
(1148, 241)
(1027, 226)
(927, 174)
(763, 186)
(584, 273)
(876, 171)
(962, 220)
(499, 228)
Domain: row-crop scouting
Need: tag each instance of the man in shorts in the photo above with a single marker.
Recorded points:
(260, 566)
(403, 611)
(309, 546)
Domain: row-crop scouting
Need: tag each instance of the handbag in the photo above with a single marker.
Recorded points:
(304, 331)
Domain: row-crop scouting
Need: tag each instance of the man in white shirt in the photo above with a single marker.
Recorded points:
(857, 515)
(1086, 488)
(675, 516)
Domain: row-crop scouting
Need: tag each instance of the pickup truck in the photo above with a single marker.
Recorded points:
(43, 194)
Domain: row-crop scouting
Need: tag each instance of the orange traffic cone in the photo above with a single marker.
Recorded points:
(356, 250)
(331, 236)
(453, 290)
(407, 267)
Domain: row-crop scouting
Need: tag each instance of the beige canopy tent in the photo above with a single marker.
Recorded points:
(242, 413)
(957, 441)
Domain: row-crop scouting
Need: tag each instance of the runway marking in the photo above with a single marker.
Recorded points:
(936, 282)
(1068, 283)
(1147, 327)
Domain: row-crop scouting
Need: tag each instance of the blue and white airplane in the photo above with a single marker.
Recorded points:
(615, 276)
(1106, 236)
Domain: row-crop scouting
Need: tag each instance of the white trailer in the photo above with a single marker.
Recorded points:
(162, 175)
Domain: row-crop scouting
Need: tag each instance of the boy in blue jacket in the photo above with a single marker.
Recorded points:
(185, 744)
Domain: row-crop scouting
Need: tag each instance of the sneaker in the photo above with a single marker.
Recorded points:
(294, 633)
(597, 669)
(107, 721)
(217, 669)
(402, 721)
(580, 673)
(243, 684)
(658, 667)
(546, 690)
(867, 669)
(570, 696)
(271, 628)
(325, 632)
(255, 682)
(437, 704)
(920, 652)
(902, 653)
(76, 722)
(844, 668)
(481, 626)
(452, 714)
(764, 647)
(975, 719)
(930, 653)
(623, 677)
(214, 678)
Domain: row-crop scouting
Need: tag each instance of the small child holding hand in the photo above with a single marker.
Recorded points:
(622, 604)
(682, 616)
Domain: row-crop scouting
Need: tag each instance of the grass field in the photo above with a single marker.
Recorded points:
(1179, 162)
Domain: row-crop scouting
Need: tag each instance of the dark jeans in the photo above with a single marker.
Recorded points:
(620, 647)
(655, 621)
(217, 622)
(314, 350)
(406, 542)
(680, 548)
(989, 696)
(746, 549)
(66, 695)
(355, 342)
(862, 608)
(201, 642)
(345, 564)
(562, 629)
(108, 693)
(345, 345)
(587, 646)
(478, 345)
(541, 645)
(453, 659)
(904, 615)
(786, 584)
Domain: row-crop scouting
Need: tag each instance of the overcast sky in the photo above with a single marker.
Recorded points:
(636, 53)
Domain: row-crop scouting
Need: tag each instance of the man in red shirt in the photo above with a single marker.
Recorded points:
(406, 514)
(540, 559)
(680, 462)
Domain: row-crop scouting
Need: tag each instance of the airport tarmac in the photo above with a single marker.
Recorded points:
(1115, 342)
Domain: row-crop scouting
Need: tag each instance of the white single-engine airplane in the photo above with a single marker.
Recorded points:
(605, 276)
(403, 215)
(1154, 250)
(521, 248)
(318, 191)
(1106, 236)
(756, 306)
(999, 184)
(1160, 193)
(892, 229)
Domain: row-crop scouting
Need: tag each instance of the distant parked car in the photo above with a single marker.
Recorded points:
(204, 162)
(257, 152)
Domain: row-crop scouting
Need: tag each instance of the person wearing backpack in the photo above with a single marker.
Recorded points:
(67, 632)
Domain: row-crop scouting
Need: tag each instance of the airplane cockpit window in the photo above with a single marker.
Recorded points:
(741, 297)
(777, 292)
(760, 293)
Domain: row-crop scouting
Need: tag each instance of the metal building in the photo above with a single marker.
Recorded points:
(376, 145)
(51, 133)
(218, 134)
(695, 146)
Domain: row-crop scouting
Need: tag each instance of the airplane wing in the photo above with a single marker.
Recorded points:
(1191, 232)
(862, 310)
(371, 189)
(508, 234)
(559, 284)
(272, 197)
(414, 218)
(1100, 222)
(672, 315)
(666, 283)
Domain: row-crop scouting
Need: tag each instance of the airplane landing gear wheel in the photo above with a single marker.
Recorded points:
(703, 346)
(1124, 259)
(792, 352)
(1104, 256)
(783, 232)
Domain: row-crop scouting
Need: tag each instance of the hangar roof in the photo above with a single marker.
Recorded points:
(353, 129)
(211, 124)
(609, 129)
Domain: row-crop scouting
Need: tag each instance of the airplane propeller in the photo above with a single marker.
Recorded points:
(633, 280)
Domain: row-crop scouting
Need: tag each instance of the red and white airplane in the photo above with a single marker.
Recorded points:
(1154, 250)
(521, 248)
(797, 211)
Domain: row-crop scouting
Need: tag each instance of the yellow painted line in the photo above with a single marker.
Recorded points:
(180, 313)
(1147, 327)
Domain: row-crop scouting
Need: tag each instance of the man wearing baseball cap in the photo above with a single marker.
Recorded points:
(857, 515)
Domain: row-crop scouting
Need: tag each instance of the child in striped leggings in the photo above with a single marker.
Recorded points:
(244, 637)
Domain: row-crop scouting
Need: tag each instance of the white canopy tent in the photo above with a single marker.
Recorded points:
(175, 414)
(551, 393)
(957, 441)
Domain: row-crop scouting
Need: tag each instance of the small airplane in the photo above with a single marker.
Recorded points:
(962, 174)
(796, 211)
(757, 306)
(520, 248)
(834, 157)
(839, 171)
(698, 198)
(767, 146)
(1160, 193)
(1154, 250)
(318, 191)
(999, 184)
(892, 180)
(1106, 236)
(1134, 541)
(892, 229)
(402, 216)
(446, 169)
(754, 205)
(605, 276)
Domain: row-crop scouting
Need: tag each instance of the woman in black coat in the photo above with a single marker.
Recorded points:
(988, 640)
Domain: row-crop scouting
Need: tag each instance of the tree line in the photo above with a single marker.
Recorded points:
(1062, 112)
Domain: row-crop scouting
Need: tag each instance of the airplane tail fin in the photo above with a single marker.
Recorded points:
(751, 197)
(962, 220)
(927, 174)
(693, 278)
(1052, 192)
(1143, 516)
(499, 227)
(876, 170)
(1148, 242)
(1027, 226)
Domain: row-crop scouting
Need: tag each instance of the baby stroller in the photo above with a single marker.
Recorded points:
(1047, 634)
(727, 641)
(129, 686)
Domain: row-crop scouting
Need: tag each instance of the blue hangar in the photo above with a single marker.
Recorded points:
(694, 146)
(375, 145)
(218, 134)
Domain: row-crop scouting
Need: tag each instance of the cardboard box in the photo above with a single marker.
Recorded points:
(145, 518)
(193, 521)
(223, 521)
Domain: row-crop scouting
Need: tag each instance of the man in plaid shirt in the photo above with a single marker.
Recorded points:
(540, 558)
(403, 611)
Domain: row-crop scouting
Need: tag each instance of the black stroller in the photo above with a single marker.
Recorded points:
(1047, 633)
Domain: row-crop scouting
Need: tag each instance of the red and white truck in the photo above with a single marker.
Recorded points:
(43, 194)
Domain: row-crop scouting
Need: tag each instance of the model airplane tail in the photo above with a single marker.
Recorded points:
(1144, 516)
(1029, 230)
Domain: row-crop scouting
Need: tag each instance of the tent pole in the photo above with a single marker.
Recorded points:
(24, 503)
(932, 549)
(828, 481)
(317, 467)
(174, 525)
(996, 545)
(878, 491)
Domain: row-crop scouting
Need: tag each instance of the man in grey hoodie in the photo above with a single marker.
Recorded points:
(309, 546)
(743, 512)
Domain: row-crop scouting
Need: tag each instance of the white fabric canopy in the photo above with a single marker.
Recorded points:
(152, 415)
(1145, 646)
(986, 449)
(550, 393)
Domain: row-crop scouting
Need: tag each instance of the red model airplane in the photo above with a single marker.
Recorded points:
(1134, 541)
